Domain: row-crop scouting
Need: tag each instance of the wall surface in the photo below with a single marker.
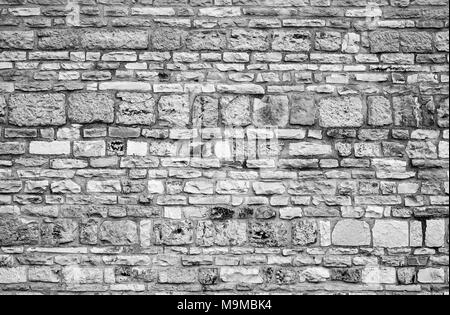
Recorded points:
(224, 146)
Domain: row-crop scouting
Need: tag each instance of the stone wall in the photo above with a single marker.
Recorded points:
(224, 146)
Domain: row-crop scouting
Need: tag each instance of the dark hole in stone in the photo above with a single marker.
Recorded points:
(163, 76)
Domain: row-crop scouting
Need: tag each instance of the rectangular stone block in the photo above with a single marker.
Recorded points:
(16, 39)
(50, 147)
(37, 109)
(13, 275)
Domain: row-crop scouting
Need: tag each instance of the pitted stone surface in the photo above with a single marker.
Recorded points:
(341, 112)
(90, 108)
(37, 109)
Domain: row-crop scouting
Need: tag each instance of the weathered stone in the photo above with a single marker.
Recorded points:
(384, 41)
(421, 150)
(236, 110)
(435, 233)
(114, 39)
(341, 112)
(303, 111)
(91, 107)
(226, 233)
(173, 233)
(174, 110)
(265, 213)
(380, 112)
(65, 187)
(205, 111)
(406, 276)
(351, 233)
(89, 148)
(351, 275)
(16, 39)
(206, 40)
(315, 274)
(77, 275)
(297, 41)
(118, 232)
(250, 275)
(61, 231)
(304, 232)
(208, 276)
(37, 109)
(16, 231)
(441, 41)
(89, 231)
(418, 42)
(167, 39)
(443, 113)
(272, 234)
(249, 40)
(13, 275)
(136, 109)
(406, 111)
(310, 149)
(271, 111)
(390, 233)
(328, 41)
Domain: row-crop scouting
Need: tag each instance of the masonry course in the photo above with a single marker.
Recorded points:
(224, 146)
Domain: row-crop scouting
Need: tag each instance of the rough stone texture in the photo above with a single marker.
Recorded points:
(272, 111)
(37, 110)
(224, 147)
(174, 110)
(341, 112)
(236, 110)
(136, 109)
(90, 108)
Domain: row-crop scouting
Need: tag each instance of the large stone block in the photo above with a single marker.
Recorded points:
(406, 111)
(122, 232)
(37, 109)
(167, 39)
(173, 233)
(384, 41)
(205, 111)
(174, 110)
(249, 40)
(13, 275)
(304, 232)
(136, 109)
(114, 39)
(303, 111)
(380, 112)
(17, 231)
(295, 41)
(226, 233)
(61, 231)
(351, 233)
(91, 107)
(236, 110)
(268, 234)
(390, 233)
(206, 40)
(249, 275)
(341, 112)
(16, 39)
(417, 42)
(271, 111)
